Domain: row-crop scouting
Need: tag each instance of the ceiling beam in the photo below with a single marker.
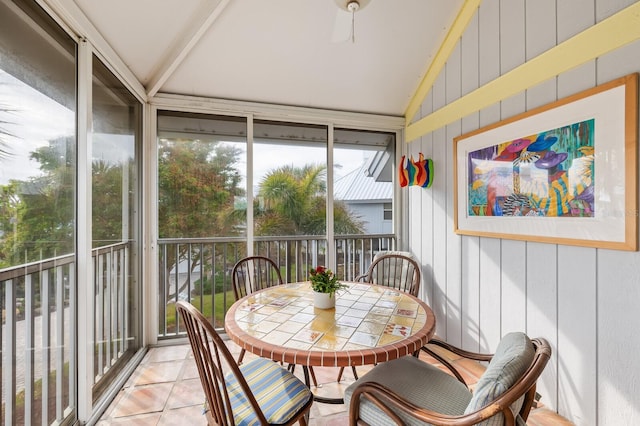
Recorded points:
(202, 20)
(610, 34)
(466, 12)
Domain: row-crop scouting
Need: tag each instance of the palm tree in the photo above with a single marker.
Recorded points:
(292, 201)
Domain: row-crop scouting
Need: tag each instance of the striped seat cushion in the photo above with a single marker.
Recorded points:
(418, 382)
(279, 393)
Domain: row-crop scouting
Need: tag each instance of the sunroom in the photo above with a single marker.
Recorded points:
(146, 147)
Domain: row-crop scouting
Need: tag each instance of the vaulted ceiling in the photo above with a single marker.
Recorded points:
(275, 51)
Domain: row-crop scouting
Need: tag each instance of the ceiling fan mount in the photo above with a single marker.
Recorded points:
(344, 28)
(351, 6)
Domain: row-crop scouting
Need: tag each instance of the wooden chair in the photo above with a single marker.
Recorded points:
(254, 273)
(394, 269)
(259, 392)
(251, 274)
(398, 270)
(411, 391)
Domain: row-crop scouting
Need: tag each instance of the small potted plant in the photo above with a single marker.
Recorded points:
(324, 284)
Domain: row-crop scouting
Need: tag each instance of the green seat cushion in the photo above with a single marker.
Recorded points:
(511, 360)
(418, 382)
(279, 393)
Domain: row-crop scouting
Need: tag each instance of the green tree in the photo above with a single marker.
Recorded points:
(293, 202)
(198, 184)
(107, 200)
(42, 209)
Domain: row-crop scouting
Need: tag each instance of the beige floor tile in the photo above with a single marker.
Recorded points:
(168, 353)
(158, 372)
(143, 399)
(191, 416)
(166, 390)
(186, 393)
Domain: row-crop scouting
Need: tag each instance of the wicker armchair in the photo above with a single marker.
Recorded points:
(259, 392)
(412, 392)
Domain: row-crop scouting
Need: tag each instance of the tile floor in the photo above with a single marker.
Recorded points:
(165, 390)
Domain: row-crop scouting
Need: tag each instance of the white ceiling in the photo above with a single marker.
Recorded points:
(276, 51)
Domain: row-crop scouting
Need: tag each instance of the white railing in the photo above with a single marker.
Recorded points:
(203, 272)
(38, 302)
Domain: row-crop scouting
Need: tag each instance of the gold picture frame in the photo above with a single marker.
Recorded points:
(563, 173)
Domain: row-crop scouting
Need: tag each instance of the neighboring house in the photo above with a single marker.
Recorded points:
(368, 197)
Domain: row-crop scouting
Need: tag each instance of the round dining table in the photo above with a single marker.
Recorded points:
(369, 324)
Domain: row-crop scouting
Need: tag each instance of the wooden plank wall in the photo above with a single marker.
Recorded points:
(584, 301)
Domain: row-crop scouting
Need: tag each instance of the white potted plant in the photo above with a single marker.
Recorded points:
(324, 284)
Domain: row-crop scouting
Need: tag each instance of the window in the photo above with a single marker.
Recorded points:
(388, 211)
(116, 143)
(290, 179)
(37, 215)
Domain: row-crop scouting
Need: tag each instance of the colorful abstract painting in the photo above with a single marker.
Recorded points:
(549, 174)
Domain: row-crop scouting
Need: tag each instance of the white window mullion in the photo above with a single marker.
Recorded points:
(85, 290)
(250, 227)
(331, 245)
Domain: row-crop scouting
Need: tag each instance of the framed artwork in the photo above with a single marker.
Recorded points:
(563, 173)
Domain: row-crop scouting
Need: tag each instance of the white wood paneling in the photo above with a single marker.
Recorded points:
(490, 293)
(454, 280)
(514, 255)
(573, 17)
(454, 252)
(489, 41)
(617, 295)
(618, 369)
(427, 220)
(439, 232)
(577, 334)
(606, 8)
(512, 46)
(470, 250)
(540, 26)
(542, 315)
(440, 214)
(582, 300)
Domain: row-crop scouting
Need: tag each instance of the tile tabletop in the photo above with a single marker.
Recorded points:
(369, 324)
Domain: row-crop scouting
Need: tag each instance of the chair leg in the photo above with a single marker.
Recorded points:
(353, 368)
(313, 377)
(292, 368)
(241, 356)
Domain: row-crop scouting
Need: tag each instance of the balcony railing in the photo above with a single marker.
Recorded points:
(39, 307)
(38, 302)
(199, 269)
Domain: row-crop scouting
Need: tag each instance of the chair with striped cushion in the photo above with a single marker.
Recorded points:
(409, 391)
(260, 392)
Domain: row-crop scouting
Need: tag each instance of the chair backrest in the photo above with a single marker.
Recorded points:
(508, 385)
(254, 273)
(214, 362)
(397, 270)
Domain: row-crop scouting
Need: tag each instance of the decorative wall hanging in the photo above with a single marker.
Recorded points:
(419, 173)
(564, 173)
